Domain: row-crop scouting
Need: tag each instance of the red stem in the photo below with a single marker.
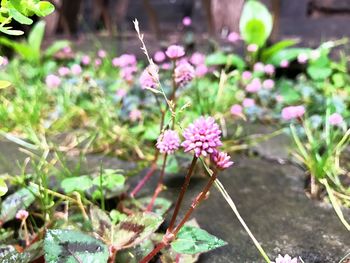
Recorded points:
(182, 193)
(154, 252)
(144, 179)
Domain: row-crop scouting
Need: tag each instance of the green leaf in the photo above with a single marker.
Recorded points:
(101, 223)
(110, 179)
(319, 73)
(237, 61)
(275, 48)
(117, 216)
(134, 229)
(161, 205)
(3, 187)
(256, 23)
(72, 246)
(193, 240)
(21, 199)
(21, 48)
(79, 183)
(9, 254)
(289, 54)
(44, 8)
(10, 31)
(217, 58)
(55, 47)
(35, 39)
(172, 165)
(288, 92)
(19, 17)
(4, 84)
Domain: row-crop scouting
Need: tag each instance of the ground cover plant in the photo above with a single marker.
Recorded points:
(169, 112)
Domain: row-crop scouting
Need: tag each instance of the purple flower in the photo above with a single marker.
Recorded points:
(284, 63)
(85, 60)
(233, 37)
(268, 84)
(292, 112)
(186, 21)
(159, 56)
(247, 103)
(3, 61)
(98, 62)
(52, 81)
(63, 71)
(201, 70)
(175, 52)
(254, 86)
(124, 60)
(269, 69)
(202, 136)
(246, 75)
(76, 69)
(168, 142)
(335, 119)
(22, 214)
(221, 160)
(302, 58)
(285, 259)
(121, 93)
(184, 73)
(236, 110)
(259, 67)
(197, 59)
(102, 53)
(148, 78)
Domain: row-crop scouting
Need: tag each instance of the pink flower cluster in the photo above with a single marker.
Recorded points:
(183, 73)
(292, 112)
(237, 110)
(22, 214)
(285, 259)
(221, 159)
(127, 64)
(175, 52)
(168, 142)
(198, 60)
(148, 78)
(52, 81)
(336, 119)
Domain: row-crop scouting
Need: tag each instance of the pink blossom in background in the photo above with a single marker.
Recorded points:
(159, 56)
(85, 60)
(302, 58)
(52, 81)
(268, 84)
(76, 69)
(148, 78)
(67, 50)
(279, 98)
(269, 69)
(121, 93)
(247, 103)
(98, 62)
(168, 142)
(292, 112)
(236, 110)
(63, 71)
(259, 67)
(175, 52)
(284, 63)
(202, 136)
(124, 60)
(3, 61)
(102, 53)
(201, 70)
(221, 160)
(22, 214)
(252, 48)
(254, 86)
(246, 75)
(184, 73)
(233, 37)
(336, 119)
(186, 21)
(285, 259)
(166, 66)
(135, 115)
(197, 58)
(127, 73)
(315, 54)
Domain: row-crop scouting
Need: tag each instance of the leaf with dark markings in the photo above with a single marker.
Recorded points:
(101, 223)
(161, 205)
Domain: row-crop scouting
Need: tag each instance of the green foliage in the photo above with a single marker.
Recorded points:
(3, 187)
(271, 51)
(221, 59)
(78, 183)
(288, 54)
(193, 240)
(256, 23)
(72, 246)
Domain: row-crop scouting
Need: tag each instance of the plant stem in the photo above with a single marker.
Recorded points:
(145, 178)
(154, 252)
(159, 186)
(200, 197)
(182, 193)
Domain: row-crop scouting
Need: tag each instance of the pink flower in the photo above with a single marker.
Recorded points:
(186, 21)
(292, 112)
(197, 59)
(3, 61)
(302, 58)
(268, 84)
(121, 93)
(335, 119)
(279, 98)
(124, 60)
(135, 115)
(85, 60)
(269, 69)
(63, 71)
(236, 110)
(284, 63)
(149, 77)
(159, 56)
(252, 48)
(247, 103)
(175, 52)
(127, 72)
(201, 70)
(246, 75)
(22, 214)
(221, 160)
(76, 69)
(183, 74)
(52, 81)
(254, 86)
(67, 50)
(202, 136)
(102, 53)
(285, 259)
(259, 67)
(98, 62)
(166, 66)
(233, 37)
(168, 142)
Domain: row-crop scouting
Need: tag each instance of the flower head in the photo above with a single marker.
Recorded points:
(159, 56)
(63, 71)
(121, 93)
(186, 21)
(52, 81)
(184, 73)
(127, 72)
(254, 86)
(102, 53)
(246, 75)
(124, 60)
(269, 69)
(149, 76)
(175, 52)
(85, 60)
(336, 119)
(221, 160)
(98, 62)
(302, 58)
(292, 112)
(202, 136)
(168, 142)
(259, 67)
(247, 103)
(22, 214)
(268, 84)
(233, 37)
(201, 70)
(197, 59)
(135, 115)
(236, 110)
(3, 61)
(76, 69)
(284, 63)
(285, 259)
(252, 48)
